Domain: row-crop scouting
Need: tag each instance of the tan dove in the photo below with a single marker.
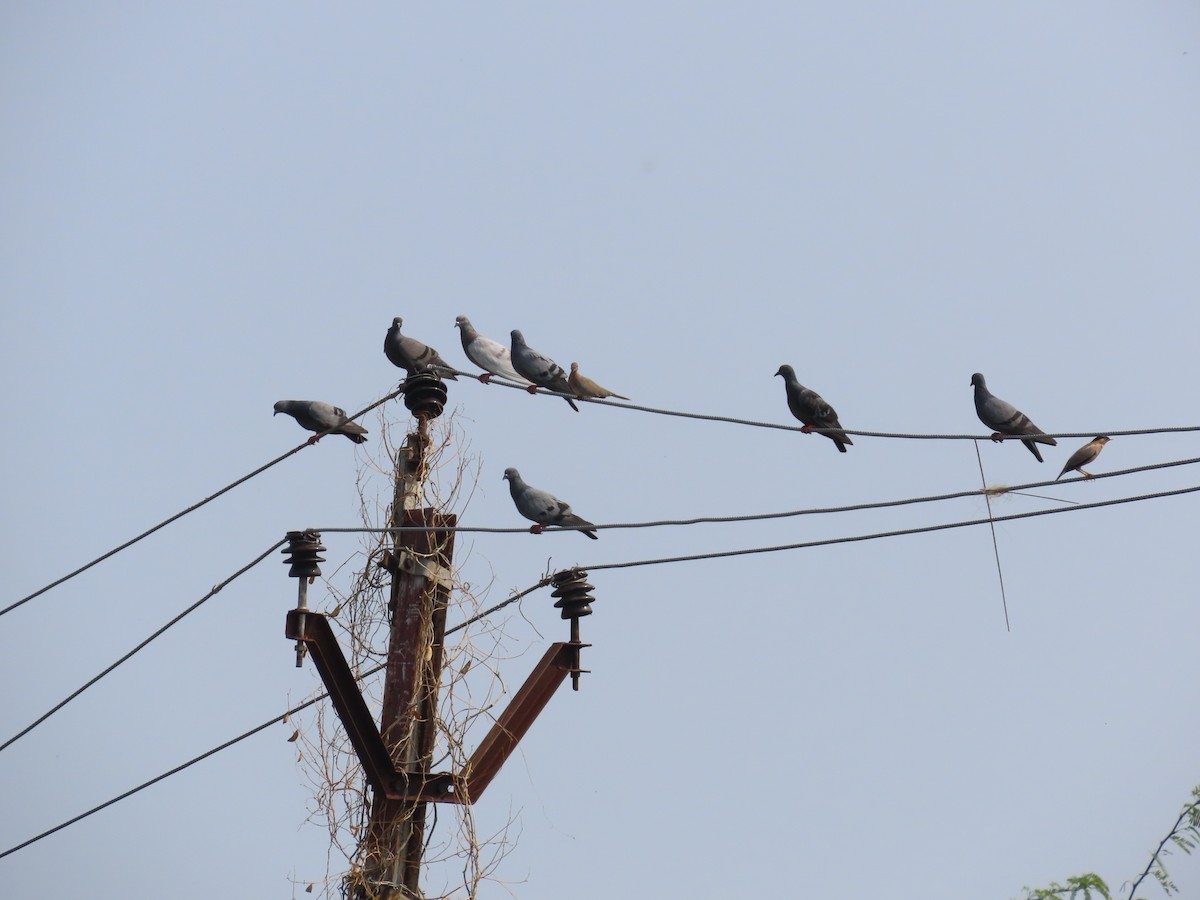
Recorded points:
(584, 387)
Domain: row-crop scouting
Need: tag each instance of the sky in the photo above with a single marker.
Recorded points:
(205, 209)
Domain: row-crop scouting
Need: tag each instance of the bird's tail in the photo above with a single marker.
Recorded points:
(1034, 450)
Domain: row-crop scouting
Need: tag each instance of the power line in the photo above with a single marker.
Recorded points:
(756, 517)
(195, 606)
(251, 732)
(877, 434)
(195, 506)
(887, 534)
(593, 568)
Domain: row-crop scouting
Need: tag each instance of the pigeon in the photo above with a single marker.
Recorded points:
(1005, 419)
(810, 408)
(491, 356)
(542, 508)
(317, 416)
(582, 386)
(1084, 455)
(542, 371)
(413, 356)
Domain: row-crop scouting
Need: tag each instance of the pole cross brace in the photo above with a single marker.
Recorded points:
(313, 630)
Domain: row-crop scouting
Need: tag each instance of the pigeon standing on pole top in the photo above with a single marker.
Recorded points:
(491, 356)
(542, 507)
(1084, 455)
(317, 416)
(810, 408)
(1006, 420)
(542, 371)
(413, 356)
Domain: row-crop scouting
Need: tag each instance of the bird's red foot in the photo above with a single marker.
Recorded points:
(485, 377)
(997, 437)
(807, 429)
(312, 440)
(532, 389)
(536, 529)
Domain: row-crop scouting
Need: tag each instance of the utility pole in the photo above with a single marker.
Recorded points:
(421, 580)
(396, 756)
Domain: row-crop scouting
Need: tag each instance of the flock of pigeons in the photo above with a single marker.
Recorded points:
(524, 366)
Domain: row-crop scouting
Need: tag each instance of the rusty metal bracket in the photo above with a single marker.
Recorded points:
(313, 630)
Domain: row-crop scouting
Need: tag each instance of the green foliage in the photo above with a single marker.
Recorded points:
(1078, 887)
(1185, 835)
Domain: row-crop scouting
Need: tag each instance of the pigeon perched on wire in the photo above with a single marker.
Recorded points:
(413, 356)
(582, 386)
(1084, 455)
(491, 356)
(1006, 420)
(543, 508)
(317, 416)
(542, 371)
(810, 408)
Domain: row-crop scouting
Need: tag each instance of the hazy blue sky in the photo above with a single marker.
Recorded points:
(207, 208)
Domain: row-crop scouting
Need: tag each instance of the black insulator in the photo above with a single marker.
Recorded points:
(571, 587)
(303, 553)
(425, 395)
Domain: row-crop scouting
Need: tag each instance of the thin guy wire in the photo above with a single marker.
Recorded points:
(850, 539)
(879, 434)
(995, 544)
(755, 517)
(253, 731)
(191, 609)
(179, 515)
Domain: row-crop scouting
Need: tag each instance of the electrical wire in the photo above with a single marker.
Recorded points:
(758, 517)
(159, 633)
(851, 539)
(595, 568)
(251, 732)
(877, 434)
(195, 506)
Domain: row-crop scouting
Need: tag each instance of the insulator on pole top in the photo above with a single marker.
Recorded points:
(303, 553)
(425, 395)
(571, 589)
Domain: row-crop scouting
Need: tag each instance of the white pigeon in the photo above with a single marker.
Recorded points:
(491, 356)
(542, 507)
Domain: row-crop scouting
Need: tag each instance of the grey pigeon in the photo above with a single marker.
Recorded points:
(541, 507)
(582, 386)
(1084, 455)
(810, 408)
(317, 416)
(413, 356)
(541, 370)
(1005, 419)
(491, 356)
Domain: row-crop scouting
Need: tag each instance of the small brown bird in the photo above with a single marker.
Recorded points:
(1084, 455)
(584, 387)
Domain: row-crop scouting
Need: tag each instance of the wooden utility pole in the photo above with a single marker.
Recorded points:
(421, 581)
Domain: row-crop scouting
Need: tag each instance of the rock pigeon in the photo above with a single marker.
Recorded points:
(317, 416)
(1005, 419)
(542, 371)
(810, 408)
(540, 507)
(491, 356)
(1084, 455)
(413, 356)
(582, 386)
